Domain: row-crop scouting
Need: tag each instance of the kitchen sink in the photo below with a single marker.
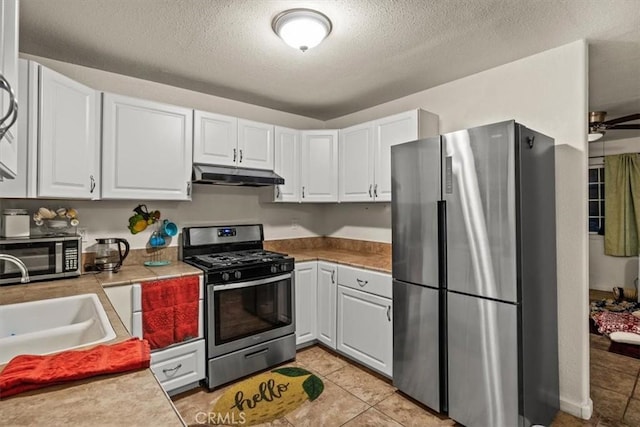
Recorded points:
(52, 325)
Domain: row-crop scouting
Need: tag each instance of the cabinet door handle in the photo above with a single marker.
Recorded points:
(241, 155)
(375, 190)
(389, 313)
(303, 191)
(333, 276)
(189, 188)
(92, 185)
(370, 186)
(172, 370)
(277, 191)
(362, 283)
(235, 155)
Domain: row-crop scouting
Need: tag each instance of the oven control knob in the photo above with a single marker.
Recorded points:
(237, 275)
(274, 268)
(225, 276)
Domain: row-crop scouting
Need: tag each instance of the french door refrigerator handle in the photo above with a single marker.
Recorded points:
(442, 243)
(442, 280)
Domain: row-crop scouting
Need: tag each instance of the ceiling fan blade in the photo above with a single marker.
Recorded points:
(618, 127)
(622, 119)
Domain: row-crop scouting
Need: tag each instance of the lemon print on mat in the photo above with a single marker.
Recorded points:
(265, 397)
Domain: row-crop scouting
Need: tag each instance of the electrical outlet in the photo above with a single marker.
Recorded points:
(82, 232)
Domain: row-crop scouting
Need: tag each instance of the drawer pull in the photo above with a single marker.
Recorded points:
(168, 371)
(389, 313)
(256, 353)
(362, 283)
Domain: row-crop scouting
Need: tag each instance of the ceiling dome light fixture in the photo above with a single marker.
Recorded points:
(301, 28)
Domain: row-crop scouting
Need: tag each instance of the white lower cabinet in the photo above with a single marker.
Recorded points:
(365, 328)
(179, 366)
(306, 287)
(327, 285)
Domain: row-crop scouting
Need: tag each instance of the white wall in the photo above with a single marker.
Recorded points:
(546, 92)
(606, 271)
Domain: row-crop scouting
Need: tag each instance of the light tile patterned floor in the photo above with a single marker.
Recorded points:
(356, 397)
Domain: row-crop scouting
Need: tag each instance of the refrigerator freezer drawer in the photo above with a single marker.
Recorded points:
(416, 357)
(483, 362)
(365, 280)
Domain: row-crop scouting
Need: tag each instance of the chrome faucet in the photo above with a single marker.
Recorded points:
(17, 261)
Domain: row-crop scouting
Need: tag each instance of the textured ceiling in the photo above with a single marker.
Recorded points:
(379, 50)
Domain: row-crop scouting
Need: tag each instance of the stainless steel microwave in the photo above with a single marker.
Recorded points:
(45, 258)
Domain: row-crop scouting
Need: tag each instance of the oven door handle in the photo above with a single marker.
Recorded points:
(259, 282)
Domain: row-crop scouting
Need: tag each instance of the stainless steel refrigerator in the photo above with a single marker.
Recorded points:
(474, 269)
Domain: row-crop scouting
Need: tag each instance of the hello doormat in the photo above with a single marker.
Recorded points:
(265, 397)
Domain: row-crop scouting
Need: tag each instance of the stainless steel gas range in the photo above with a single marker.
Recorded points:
(249, 301)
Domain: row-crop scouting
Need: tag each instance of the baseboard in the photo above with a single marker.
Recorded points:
(584, 410)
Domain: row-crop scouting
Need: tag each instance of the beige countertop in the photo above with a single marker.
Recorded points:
(130, 398)
(370, 261)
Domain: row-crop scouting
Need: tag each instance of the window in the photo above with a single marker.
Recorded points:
(596, 199)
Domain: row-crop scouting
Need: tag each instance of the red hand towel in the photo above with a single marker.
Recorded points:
(186, 309)
(29, 372)
(158, 299)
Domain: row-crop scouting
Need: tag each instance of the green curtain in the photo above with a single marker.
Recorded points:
(622, 204)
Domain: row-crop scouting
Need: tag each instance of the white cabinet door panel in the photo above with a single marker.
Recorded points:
(319, 166)
(255, 145)
(147, 149)
(287, 164)
(327, 285)
(68, 117)
(215, 139)
(390, 131)
(356, 179)
(306, 286)
(365, 329)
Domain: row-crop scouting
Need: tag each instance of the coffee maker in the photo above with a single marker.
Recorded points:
(110, 254)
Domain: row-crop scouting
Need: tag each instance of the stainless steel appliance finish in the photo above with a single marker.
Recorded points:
(239, 363)
(45, 258)
(249, 303)
(416, 361)
(487, 224)
(224, 175)
(254, 312)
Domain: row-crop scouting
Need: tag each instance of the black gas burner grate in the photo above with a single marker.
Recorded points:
(239, 258)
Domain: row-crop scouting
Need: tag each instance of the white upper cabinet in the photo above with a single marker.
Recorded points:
(9, 69)
(393, 130)
(229, 141)
(68, 137)
(287, 164)
(319, 166)
(215, 139)
(356, 178)
(255, 145)
(146, 149)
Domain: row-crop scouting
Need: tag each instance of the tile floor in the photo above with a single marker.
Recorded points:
(356, 397)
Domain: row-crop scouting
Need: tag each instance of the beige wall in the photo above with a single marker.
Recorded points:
(605, 271)
(546, 92)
